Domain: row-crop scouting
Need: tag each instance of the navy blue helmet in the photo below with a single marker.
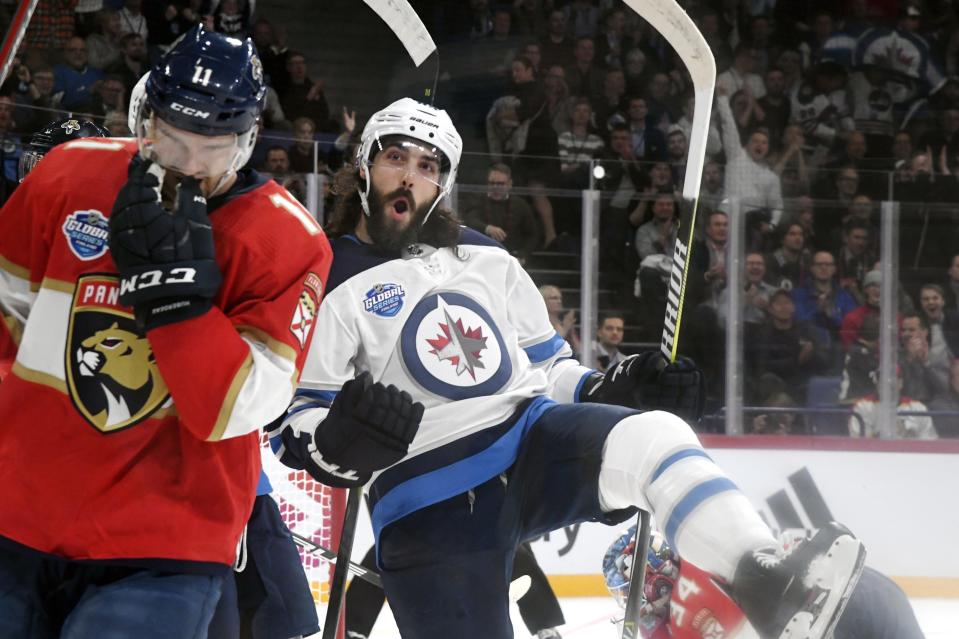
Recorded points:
(208, 83)
(57, 132)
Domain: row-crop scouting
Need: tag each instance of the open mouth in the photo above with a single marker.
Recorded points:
(400, 207)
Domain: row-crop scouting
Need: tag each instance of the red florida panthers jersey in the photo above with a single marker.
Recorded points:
(115, 445)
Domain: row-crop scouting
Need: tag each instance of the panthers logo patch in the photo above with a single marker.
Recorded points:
(112, 375)
(304, 316)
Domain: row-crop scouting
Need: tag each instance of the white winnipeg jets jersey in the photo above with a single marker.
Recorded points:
(466, 333)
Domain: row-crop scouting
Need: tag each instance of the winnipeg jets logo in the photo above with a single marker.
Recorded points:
(70, 126)
(460, 347)
(451, 347)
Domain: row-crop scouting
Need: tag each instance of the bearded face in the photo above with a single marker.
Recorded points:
(389, 231)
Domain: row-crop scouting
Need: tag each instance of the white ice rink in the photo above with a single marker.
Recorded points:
(589, 618)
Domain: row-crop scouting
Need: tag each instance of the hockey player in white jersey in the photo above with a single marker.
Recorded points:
(436, 378)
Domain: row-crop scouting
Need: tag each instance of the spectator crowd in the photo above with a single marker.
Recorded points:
(822, 111)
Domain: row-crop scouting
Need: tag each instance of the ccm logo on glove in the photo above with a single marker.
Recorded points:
(184, 275)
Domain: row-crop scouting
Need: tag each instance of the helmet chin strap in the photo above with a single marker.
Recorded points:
(239, 159)
(430, 212)
(364, 193)
(221, 183)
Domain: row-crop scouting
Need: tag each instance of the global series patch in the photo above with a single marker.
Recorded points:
(384, 300)
(87, 233)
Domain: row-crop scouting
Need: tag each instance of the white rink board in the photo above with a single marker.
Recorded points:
(903, 505)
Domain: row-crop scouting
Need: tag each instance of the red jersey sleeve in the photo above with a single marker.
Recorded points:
(24, 250)
(233, 370)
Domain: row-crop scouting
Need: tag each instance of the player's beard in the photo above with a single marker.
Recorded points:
(386, 233)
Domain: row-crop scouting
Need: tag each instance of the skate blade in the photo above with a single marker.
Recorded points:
(838, 578)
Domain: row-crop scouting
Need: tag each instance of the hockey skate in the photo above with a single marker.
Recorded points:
(800, 593)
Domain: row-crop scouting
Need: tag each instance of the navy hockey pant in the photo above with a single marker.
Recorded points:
(446, 568)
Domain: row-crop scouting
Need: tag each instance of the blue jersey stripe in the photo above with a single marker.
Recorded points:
(263, 486)
(456, 477)
(691, 500)
(675, 457)
(544, 350)
(305, 406)
(579, 385)
(322, 396)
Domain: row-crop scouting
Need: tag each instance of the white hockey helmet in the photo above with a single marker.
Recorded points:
(427, 124)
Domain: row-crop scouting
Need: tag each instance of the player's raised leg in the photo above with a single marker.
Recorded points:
(654, 460)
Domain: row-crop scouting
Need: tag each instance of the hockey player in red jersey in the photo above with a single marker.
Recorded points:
(508, 437)
(166, 299)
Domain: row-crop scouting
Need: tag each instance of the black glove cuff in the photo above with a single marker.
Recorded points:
(591, 391)
(333, 474)
(168, 310)
(149, 282)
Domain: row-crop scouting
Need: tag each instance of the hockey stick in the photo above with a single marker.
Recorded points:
(338, 585)
(673, 23)
(637, 577)
(407, 26)
(11, 42)
(357, 570)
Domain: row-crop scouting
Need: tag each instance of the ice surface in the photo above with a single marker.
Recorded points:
(589, 617)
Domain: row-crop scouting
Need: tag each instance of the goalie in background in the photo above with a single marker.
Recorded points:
(436, 377)
(701, 607)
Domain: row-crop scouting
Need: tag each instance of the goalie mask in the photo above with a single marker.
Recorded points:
(662, 569)
(196, 111)
(407, 126)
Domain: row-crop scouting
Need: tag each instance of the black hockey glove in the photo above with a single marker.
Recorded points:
(168, 272)
(369, 428)
(648, 382)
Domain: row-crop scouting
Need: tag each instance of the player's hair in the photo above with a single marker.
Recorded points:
(441, 228)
